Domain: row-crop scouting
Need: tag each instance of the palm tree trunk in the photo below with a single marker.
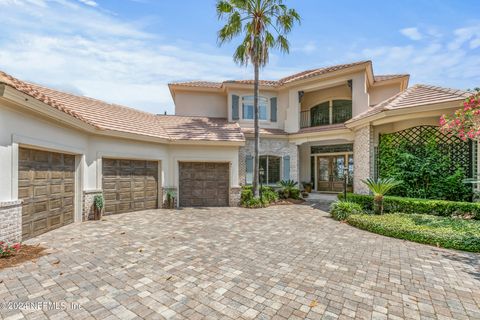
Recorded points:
(378, 204)
(256, 129)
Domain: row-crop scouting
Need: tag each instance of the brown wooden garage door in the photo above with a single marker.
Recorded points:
(129, 185)
(204, 184)
(46, 184)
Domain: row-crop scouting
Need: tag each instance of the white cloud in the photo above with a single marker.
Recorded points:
(446, 60)
(89, 3)
(308, 48)
(412, 33)
(82, 50)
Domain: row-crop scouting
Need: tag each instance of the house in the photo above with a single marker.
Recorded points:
(59, 150)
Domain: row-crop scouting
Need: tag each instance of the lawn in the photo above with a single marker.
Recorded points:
(453, 233)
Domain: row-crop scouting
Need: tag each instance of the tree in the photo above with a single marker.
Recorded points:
(465, 122)
(379, 188)
(263, 25)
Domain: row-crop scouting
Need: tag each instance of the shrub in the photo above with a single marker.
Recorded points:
(98, 201)
(249, 201)
(420, 206)
(9, 249)
(440, 231)
(426, 165)
(340, 210)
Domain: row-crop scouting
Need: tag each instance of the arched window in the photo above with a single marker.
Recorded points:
(270, 167)
(247, 108)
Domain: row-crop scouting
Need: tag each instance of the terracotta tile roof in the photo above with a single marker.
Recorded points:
(200, 128)
(385, 77)
(316, 72)
(274, 83)
(107, 116)
(417, 95)
(202, 84)
(265, 131)
(266, 83)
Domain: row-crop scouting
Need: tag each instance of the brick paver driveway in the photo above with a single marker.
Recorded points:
(286, 262)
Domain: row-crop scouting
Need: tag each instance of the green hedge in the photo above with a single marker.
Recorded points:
(420, 206)
(438, 231)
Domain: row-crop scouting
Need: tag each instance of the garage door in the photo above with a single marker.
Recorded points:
(46, 184)
(129, 185)
(204, 184)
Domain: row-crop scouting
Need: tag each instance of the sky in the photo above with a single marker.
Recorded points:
(127, 51)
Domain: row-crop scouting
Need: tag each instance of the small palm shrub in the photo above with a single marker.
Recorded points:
(289, 189)
(379, 188)
(341, 210)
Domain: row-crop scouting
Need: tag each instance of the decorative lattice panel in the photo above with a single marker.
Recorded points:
(461, 152)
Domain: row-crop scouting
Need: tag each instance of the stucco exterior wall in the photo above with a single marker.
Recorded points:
(204, 104)
(381, 93)
(274, 147)
(22, 128)
(362, 158)
(313, 98)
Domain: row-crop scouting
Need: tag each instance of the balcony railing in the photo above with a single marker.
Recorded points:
(323, 116)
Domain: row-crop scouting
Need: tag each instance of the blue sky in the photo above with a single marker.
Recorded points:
(126, 51)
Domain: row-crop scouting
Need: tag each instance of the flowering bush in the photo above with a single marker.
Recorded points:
(7, 249)
(465, 122)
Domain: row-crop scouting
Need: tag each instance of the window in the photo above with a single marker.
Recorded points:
(342, 110)
(320, 115)
(270, 166)
(247, 108)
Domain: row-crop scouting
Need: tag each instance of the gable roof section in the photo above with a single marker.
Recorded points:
(417, 95)
(386, 77)
(106, 116)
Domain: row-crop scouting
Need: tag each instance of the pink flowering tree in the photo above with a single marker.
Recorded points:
(465, 122)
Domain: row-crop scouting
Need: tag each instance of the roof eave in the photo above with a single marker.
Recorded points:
(412, 109)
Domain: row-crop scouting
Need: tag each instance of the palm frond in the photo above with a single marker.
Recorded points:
(381, 186)
(258, 20)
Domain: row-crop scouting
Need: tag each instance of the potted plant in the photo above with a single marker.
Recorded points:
(307, 186)
(170, 199)
(98, 205)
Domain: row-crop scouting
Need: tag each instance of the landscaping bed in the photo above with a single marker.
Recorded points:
(453, 233)
(26, 253)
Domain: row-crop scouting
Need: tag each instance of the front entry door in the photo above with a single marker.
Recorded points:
(330, 172)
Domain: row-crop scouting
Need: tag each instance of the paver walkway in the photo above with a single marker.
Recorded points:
(285, 262)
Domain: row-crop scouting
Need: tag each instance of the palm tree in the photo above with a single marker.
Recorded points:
(263, 25)
(379, 188)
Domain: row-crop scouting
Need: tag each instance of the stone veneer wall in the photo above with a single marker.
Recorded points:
(11, 221)
(274, 147)
(235, 197)
(362, 158)
(88, 197)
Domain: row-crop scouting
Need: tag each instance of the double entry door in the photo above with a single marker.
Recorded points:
(330, 172)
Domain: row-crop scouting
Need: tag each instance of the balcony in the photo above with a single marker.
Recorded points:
(327, 113)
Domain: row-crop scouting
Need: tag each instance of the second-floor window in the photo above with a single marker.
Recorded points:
(247, 108)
